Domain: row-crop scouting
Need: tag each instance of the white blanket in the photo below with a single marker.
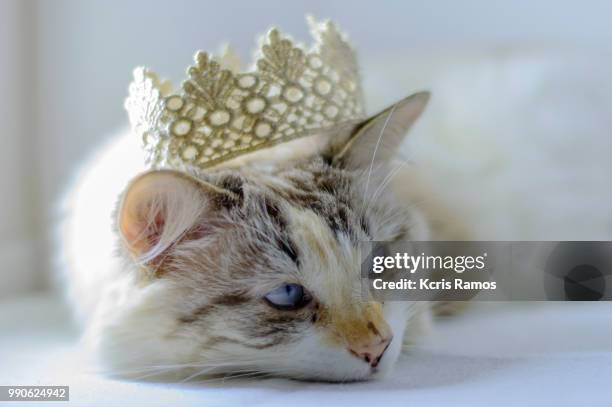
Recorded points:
(547, 354)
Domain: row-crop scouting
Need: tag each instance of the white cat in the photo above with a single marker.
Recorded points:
(516, 147)
(250, 268)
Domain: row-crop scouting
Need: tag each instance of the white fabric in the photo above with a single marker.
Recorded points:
(520, 354)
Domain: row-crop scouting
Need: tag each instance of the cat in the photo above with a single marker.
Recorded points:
(249, 268)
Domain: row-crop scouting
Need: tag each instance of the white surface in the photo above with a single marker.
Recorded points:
(519, 354)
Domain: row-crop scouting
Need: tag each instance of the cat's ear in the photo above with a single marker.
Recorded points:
(160, 208)
(378, 138)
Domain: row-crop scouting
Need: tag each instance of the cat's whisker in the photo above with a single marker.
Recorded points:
(208, 367)
(228, 377)
(235, 371)
(385, 182)
(402, 163)
(371, 166)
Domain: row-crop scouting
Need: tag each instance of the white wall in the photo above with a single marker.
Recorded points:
(68, 63)
(89, 48)
(18, 160)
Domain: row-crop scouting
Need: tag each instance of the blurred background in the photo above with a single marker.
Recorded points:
(517, 140)
(65, 66)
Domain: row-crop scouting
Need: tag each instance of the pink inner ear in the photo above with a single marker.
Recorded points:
(140, 233)
(160, 210)
(155, 230)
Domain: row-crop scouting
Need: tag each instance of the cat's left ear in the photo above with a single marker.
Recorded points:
(378, 138)
(162, 207)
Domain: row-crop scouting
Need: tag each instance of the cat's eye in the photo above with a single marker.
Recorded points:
(288, 297)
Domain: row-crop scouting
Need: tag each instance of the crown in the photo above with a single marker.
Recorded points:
(221, 113)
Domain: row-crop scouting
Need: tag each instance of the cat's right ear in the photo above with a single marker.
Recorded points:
(377, 140)
(161, 208)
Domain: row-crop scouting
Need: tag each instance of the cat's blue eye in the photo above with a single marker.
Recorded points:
(288, 297)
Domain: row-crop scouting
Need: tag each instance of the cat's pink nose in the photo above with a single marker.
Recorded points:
(371, 352)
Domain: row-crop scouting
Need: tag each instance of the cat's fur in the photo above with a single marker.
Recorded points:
(168, 270)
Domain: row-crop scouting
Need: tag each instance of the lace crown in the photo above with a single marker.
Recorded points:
(220, 113)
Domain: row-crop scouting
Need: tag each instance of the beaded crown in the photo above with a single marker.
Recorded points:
(220, 113)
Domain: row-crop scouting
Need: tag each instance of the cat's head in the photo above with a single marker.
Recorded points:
(257, 269)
